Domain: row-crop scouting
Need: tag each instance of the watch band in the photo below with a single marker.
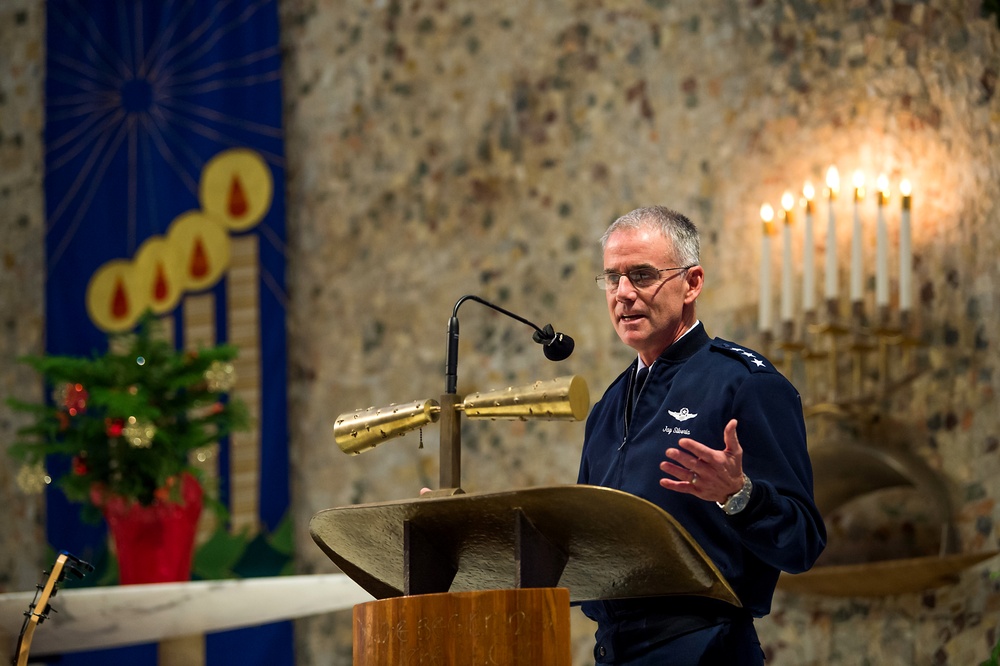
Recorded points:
(738, 500)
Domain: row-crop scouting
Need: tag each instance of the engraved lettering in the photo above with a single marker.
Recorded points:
(402, 633)
(515, 620)
(384, 633)
(439, 625)
(474, 628)
(454, 624)
(423, 629)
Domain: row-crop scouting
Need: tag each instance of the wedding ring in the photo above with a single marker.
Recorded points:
(694, 479)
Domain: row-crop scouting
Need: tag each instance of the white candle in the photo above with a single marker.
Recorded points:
(882, 245)
(856, 275)
(764, 307)
(832, 188)
(808, 252)
(787, 295)
(905, 251)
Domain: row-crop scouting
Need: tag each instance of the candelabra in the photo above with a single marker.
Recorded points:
(848, 357)
(851, 355)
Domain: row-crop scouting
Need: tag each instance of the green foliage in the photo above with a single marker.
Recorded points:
(994, 656)
(222, 556)
(217, 558)
(130, 418)
(227, 555)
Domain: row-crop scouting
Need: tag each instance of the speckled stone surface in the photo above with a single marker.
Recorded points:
(437, 149)
(22, 225)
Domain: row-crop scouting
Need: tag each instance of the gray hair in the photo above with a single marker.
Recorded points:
(675, 227)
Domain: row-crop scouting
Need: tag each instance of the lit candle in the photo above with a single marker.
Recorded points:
(882, 245)
(787, 203)
(832, 189)
(859, 195)
(764, 308)
(808, 251)
(905, 252)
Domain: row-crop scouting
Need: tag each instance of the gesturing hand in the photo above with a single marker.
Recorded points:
(705, 472)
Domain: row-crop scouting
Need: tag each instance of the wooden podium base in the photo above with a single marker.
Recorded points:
(526, 627)
(486, 579)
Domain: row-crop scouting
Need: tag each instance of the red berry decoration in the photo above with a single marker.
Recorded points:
(75, 399)
(114, 427)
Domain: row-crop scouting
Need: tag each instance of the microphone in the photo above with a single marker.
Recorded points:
(557, 346)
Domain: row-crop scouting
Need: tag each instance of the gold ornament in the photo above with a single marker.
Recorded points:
(32, 478)
(138, 433)
(204, 454)
(220, 376)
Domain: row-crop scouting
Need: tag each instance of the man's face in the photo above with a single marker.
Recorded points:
(649, 319)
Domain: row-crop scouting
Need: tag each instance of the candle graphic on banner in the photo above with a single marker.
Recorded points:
(832, 188)
(179, 270)
(764, 307)
(882, 245)
(808, 253)
(856, 281)
(905, 251)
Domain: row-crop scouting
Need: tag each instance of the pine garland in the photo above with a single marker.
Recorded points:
(130, 418)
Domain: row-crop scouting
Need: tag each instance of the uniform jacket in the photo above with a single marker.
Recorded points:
(693, 389)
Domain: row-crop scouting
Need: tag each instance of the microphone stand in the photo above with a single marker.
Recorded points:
(450, 466)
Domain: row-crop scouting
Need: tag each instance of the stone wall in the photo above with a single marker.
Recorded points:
(440, 149)
(22, 258)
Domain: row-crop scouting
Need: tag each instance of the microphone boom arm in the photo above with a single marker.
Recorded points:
(557, 346)
(450, 467)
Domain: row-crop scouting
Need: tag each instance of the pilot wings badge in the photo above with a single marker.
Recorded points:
(682, 415)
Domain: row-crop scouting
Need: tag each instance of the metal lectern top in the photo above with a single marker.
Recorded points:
(598, 542)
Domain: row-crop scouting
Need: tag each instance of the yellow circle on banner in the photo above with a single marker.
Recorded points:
(201, 246)
(158, 272)
(113, 302)
(236, 188)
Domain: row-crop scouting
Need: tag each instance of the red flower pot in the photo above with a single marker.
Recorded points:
(155, 543)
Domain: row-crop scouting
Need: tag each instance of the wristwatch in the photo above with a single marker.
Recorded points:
(738, 500)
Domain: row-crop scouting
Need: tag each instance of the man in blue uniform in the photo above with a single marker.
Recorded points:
(709, 431)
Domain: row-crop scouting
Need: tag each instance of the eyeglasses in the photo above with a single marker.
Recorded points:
(639, 277)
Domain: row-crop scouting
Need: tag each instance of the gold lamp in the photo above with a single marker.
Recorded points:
(561, 399)
(564, 398)
(362, 430)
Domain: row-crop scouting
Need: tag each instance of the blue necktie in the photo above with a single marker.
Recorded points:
(640, 379)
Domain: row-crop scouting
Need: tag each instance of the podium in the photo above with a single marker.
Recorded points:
(488, 578)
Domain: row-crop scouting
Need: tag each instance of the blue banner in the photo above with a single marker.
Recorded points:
(164, 188)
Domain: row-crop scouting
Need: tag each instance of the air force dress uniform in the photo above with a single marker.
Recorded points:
(693, 389)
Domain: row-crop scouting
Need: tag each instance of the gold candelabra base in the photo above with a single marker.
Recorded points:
(846, 364)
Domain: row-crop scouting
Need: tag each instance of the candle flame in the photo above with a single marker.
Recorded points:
(808, 192)
(787, 201)
(859, 185)
(766, 213)
(883, 184)
(833, 179)
(904, 187)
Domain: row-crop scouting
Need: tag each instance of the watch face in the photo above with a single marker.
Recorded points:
(737, 502)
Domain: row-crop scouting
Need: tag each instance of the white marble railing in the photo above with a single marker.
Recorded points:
(103, 617)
